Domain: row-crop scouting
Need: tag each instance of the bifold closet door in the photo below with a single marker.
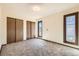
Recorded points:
(14, 30)
(32, 29)
(28, 29)
(10, 30)
(19, 30)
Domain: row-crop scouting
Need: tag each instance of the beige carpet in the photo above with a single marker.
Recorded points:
(37, 47)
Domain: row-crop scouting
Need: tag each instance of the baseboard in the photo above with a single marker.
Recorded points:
(61, 44)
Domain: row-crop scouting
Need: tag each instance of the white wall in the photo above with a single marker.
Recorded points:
(1, 33)
(53, 26)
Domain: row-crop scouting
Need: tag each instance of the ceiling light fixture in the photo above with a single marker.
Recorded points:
(36, 8)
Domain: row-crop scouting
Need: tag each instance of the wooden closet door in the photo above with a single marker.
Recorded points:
(28, 29)
(10, 30)
(32, 29)
(19, 30)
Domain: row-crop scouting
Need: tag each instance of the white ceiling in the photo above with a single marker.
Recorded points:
(45, 8)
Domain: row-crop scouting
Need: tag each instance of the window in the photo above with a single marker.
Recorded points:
(71, 28)
(39, 28)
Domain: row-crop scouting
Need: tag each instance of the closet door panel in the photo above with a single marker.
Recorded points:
(10, 30)
(28, 29)
(32, 29)
(19, 30)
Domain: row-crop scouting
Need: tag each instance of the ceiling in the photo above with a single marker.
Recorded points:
(45, 8)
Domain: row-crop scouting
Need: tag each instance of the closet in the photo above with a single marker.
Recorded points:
(30, 29)
(14, 30)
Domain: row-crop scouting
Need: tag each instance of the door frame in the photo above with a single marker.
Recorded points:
(76, 28)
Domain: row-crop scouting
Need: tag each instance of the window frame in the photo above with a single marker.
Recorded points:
(41, 28)
(76, 28)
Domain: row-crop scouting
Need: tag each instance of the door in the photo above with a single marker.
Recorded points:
(39, 28)
(30, 29)
(10, 30)
(19, 30)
